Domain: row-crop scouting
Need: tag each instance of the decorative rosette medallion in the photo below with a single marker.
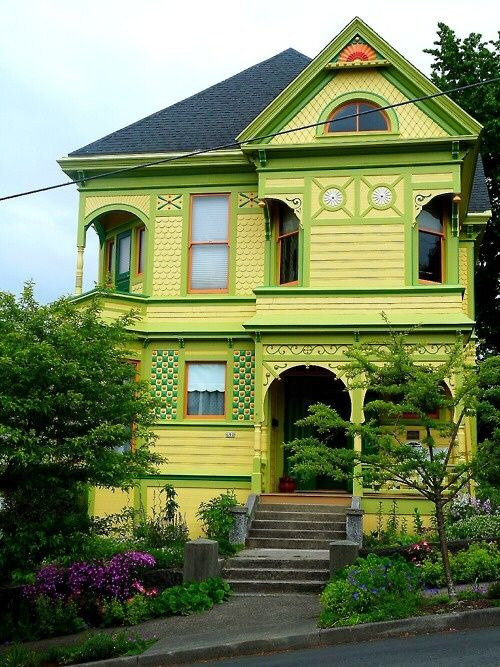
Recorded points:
(333, 198)
(381, 196)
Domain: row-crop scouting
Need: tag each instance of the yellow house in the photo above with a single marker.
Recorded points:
(328, 193)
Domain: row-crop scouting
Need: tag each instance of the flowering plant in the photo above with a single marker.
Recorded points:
(372, 589)
(114, 579)
(418, 552)
(464, 506)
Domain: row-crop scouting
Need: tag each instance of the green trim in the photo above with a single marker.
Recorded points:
(211, 478)
(354, 291)
(200, 423)
(192, 298)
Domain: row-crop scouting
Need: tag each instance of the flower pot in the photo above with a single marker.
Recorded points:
(287, 485)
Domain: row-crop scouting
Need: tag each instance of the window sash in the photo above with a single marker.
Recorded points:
(205, 389)
(288, 251)
(425, 274)
(356, 123)
(209, 243)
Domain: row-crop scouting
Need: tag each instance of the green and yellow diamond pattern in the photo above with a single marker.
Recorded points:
(243, 385)
(165, 382)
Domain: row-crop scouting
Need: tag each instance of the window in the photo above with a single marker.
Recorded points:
(206, 389)
(209, 243)
(288, 246)
(344, 118)
(141, 245)
(431, 242)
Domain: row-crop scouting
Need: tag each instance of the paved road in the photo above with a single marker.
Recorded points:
(471, 648)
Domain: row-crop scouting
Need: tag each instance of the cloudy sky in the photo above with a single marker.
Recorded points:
(71, 72)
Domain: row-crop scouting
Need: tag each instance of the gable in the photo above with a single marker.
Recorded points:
(371, 84)
(359, 61)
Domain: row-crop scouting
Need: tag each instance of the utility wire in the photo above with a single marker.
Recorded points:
(237, 144)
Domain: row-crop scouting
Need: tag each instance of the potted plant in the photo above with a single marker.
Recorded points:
(287, 484)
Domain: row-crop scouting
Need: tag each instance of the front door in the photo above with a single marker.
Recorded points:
(123, 251)
(301, 391)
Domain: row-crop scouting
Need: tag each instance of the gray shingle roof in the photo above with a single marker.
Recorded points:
(479, 197)
(213, 117)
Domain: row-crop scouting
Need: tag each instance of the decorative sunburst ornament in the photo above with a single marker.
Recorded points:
(354, 52)
(381, 196)
(333, 197)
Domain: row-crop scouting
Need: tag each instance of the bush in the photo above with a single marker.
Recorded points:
(176, 601)
(169, 557)
(373, 589)
(479, 527)
(464, 506)
(480, 562)
(494, 591)
(217, 520)
(99, 646)
(42, 618)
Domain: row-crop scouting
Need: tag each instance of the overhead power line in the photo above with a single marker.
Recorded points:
(238, 144)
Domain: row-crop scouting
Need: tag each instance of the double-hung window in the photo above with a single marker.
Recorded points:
(209, 243)
(206, 389)
(288, 246)
(431, 237)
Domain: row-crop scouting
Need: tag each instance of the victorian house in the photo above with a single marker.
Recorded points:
(326, 198)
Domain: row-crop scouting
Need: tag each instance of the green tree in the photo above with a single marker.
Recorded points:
(457, 63)
(488, 455)
(399, 383)
(69, 408)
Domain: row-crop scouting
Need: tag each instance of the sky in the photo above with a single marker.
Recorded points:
(71, 72)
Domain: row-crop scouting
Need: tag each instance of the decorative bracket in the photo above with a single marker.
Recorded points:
(181, 342)
(262, 157)
(145, 342)
(455, 149)
(267, 218)
(80, 175)
(454, 215)
(230, 343)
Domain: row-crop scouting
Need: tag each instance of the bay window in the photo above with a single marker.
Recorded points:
(209, 243)
(205, 389)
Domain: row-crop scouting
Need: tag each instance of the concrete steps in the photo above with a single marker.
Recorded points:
(287, 549)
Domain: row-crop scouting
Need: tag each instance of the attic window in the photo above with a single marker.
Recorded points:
(345, 118)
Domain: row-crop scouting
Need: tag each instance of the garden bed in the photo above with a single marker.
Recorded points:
(453, 547)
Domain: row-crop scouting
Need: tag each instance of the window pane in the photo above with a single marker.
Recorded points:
(206, 389)
(209, 264)
(210, 218)
(430, 216)
(341, 124)
(289, 260)
(124, 254)
(371, 122)
(288, 220)
(429, 257)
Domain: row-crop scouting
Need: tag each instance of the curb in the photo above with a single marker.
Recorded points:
(415, 625)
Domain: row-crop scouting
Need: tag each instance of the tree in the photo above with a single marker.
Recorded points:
(69, 406)
(488, 412)
(457, 63)
(399, 384)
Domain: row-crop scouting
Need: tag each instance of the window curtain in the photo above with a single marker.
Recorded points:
(209, 247)
(206, 389)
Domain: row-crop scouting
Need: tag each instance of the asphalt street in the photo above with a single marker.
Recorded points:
(458, 649)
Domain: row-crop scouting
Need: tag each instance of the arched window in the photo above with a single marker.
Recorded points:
(354, 117)
(431, 241)
(287, 238)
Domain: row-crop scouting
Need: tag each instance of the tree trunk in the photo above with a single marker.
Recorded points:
(444, 549)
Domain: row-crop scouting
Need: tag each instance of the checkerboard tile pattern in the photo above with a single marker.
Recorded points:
(165, 382)
(243, 385)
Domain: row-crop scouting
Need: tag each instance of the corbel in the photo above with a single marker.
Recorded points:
(455, 148)
(258, 336)
(80, 176)
(267, 218)
(145, 342)
(262, 157)
(181, 342)
(230, 343)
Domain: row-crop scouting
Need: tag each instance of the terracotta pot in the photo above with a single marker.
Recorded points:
(287, 485)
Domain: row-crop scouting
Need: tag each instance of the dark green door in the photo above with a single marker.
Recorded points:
(304, 390)
(123, 251)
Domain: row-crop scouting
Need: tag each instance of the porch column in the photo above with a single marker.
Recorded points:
(79, 269)
(256, 467)
(357, 417)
